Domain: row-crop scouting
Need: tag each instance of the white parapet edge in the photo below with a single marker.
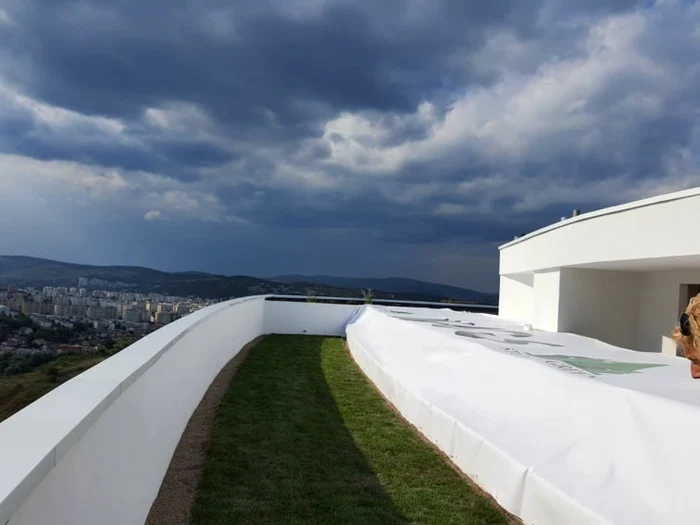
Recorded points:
(621, 208)
(38, 453)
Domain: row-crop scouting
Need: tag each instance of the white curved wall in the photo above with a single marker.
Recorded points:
(95, 449)
(109, 468)
(647, 229)
(307, 318)
(515, 297)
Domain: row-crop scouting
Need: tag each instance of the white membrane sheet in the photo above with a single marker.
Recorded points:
(560, 429)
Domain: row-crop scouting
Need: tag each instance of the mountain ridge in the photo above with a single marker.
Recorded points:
(22, 270)
(394, 284)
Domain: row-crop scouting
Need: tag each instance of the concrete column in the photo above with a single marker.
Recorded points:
(515, 297)
(547, 297)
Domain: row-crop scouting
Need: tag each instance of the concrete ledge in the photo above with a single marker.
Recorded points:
(34, 440)
(669, 197)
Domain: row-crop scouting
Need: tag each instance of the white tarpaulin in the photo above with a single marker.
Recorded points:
(560, 429)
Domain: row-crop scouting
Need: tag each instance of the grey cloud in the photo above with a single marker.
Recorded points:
(100, 58)
(241, 94)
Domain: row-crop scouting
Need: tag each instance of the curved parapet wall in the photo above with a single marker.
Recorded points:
(643, 230)
(95, 449)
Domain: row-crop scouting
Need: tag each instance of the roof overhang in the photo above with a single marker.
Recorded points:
(667, 197)
(690, 262)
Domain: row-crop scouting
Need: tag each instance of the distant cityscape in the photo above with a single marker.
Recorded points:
(79, 320)
(50, 309)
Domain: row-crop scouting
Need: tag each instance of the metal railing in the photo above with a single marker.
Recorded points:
(462, 307)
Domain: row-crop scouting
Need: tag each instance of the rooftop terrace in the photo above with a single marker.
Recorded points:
(556, 428)
(302, 437)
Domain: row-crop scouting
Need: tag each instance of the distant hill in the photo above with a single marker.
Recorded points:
(31, 271)
(395, 285)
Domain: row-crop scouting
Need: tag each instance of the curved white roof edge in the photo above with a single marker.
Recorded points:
(92, 392)
(650, 201)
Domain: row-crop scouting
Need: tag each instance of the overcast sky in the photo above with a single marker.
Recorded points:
(347, 137)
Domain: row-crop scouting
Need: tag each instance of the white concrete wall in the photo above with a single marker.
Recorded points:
(95, 449)
(634, 302)
(546, 298)
(307, 318)
(601, 304)
(635, 310)
(110, 469)
(515, 297)
(662, 299)
(643, 230)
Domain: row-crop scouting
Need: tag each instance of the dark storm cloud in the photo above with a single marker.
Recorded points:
(410, 121)
(191, 153)
(115, 61)
(100, 58)
(21, 134)
(385, 220)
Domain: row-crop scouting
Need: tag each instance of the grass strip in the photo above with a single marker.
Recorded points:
(301, 437)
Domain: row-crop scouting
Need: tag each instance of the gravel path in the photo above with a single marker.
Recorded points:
(177, 494)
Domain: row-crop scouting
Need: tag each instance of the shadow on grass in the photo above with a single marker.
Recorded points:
(281, 452)
(302, 438)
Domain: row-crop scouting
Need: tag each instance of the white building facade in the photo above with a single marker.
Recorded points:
(621, 274)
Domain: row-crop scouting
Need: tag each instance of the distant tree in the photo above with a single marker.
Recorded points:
(12, 370)
(79, 327)
(52, 374)
(58, 335)
(119, 345)
(367, 294)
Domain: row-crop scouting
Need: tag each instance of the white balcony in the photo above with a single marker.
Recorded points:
(553, 440)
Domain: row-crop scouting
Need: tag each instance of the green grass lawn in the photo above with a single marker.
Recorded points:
(302, 438)
(18, 391)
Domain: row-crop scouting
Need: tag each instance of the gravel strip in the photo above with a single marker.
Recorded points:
(173, 505)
